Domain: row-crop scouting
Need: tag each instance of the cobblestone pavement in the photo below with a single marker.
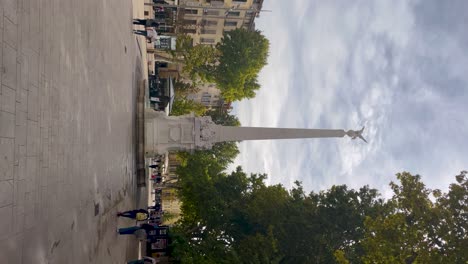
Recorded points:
(67, 114)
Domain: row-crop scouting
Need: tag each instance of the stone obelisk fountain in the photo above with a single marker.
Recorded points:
(170, 133)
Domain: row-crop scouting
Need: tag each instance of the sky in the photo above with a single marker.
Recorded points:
(397, 67)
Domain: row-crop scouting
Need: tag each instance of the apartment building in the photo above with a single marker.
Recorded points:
(208, 95)
(206, 20)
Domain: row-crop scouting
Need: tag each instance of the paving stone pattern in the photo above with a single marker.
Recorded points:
(68, 76)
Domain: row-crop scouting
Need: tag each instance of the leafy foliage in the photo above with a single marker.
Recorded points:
(199, 60)
(224, 118)
(233, 65)
(416, 229)
(243, 54)
(182, 106)
(236, 218)
(183, 89)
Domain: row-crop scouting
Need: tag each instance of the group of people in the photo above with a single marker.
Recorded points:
(156, 175)
(150, 29)
(140, 231)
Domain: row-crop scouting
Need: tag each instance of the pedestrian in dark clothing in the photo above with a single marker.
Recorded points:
(149, 227)
(146, 22)
(150, 34)
(156, 175)
(156, 207)
(156, 179)
(139, 214)
(154, 166)
(132, 229)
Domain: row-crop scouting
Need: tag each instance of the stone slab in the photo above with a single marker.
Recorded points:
(7, 99)
(6, 193)
(7, 124)
(7, 148)
(9, 66)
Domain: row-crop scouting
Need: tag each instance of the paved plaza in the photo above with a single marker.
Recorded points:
(69, 71)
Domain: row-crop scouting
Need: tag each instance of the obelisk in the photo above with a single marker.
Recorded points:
(169, 133)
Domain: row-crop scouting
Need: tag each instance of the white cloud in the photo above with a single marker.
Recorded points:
(346, 65)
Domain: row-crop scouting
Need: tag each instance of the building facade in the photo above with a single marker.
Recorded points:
(206, 20)
(208, 95)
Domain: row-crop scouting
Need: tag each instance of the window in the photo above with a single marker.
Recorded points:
(191, 11)
(216, 2)
(162, 64)
(210, 22)
(230, 23)
(209, 12)
(189, 30)
(208, 31)
(233, 14)
(206, 98)
(207, 40)
(190, 21)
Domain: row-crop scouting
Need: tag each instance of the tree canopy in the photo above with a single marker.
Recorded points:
(233, 64)
(183, 106)
(198, 61)
(418, 229)
(237, 218)
(243, 53)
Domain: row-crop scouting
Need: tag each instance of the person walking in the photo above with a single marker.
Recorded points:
(135, 230)
(156, 175)
(139, 214)
(156, 164)
(146, 22)
(149, 33)
(157, 180)
(156, 207)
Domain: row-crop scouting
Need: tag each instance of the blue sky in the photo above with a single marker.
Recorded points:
(400, 68)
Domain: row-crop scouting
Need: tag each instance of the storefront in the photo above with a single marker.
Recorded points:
(158, 241)
(161, 93)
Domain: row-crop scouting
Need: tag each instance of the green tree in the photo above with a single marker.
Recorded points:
(224, 118)
(233, 64)
(322, 223)
(198, 61)
(183, 89)
(229, 213)
(183, 106)
(236, 218)
(415, 229)
(452, 208)
(242, 54)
